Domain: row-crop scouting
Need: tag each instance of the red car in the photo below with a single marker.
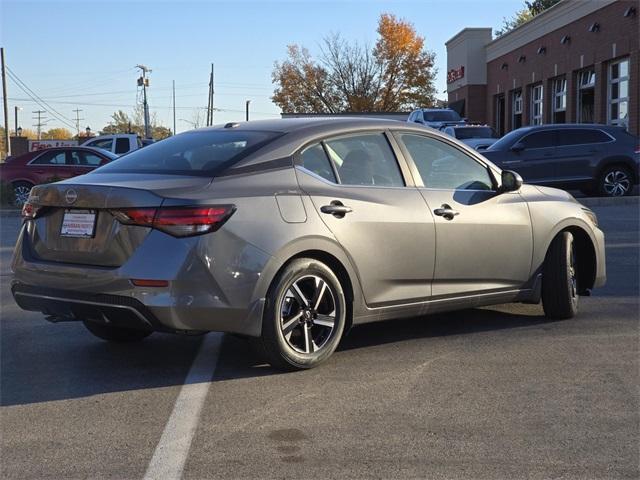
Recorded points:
(50, 165)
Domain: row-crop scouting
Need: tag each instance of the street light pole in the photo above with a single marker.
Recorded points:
(247, 109)
(7, 146)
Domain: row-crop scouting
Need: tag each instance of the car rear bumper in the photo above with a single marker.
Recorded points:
(207, 289)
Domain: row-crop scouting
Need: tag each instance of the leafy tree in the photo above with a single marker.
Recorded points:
(122, 123)
(531, 9)
(397, 74)
(56, 134)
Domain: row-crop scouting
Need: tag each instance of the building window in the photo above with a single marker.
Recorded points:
(559, 100)
(517, 109)
(537, 103)
(586, 96)
(619, 93)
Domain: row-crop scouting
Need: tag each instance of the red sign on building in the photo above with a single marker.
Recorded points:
(455, 74)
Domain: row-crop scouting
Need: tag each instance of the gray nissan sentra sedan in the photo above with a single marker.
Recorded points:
(289, 232)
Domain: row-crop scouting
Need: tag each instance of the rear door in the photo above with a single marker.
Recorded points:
(536, 161)
(483, 239)
(576, 151)
(52, 166)
(368, 202)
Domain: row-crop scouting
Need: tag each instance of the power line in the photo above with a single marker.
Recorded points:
(77, 112)
(62, 118)
(40, 118)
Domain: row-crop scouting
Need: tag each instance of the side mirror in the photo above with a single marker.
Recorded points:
(511, 181)
(517, 147)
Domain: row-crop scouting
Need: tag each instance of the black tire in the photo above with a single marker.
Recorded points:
(21, 192)
(559, 281)
(615, 181)
(116, 334)
(293, 350)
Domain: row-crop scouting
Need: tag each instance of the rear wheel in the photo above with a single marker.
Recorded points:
(559, 280)
(21, 192)
(615, 181)
(116, 334)
(304, 316)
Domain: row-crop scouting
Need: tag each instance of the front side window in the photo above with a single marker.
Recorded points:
(544, 139)
(315, 160)
(559, 100)
(619, 93)
(517, 109)
(443, 166)
(51, 158)
(105, 144)
(122, 145)
(537, 102)
(365, 160)
(202, 153)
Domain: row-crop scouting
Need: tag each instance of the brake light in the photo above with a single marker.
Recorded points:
(178, 221)
(29, 211)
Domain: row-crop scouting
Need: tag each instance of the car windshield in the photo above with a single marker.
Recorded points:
(441, 116)
(475, 132)
(506, 141)
(204, 152)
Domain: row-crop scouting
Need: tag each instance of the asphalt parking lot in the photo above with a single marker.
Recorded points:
(487, 393)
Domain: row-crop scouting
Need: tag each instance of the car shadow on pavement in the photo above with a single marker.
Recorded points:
(76, 365)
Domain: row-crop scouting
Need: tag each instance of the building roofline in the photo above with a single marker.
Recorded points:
(465, 30)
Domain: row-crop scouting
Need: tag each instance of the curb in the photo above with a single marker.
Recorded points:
(608, 201)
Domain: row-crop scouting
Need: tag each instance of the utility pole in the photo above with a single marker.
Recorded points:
(210, 100)
(77, 112)
(174, 107)
(17, 108)
(40, 119)
(246, 105)
(7, 146)
(143, 82)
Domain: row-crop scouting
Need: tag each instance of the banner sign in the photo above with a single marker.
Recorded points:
(36, 145)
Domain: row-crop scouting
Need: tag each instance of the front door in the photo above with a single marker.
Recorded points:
(535, 158)
(383, 225)
(483, 239)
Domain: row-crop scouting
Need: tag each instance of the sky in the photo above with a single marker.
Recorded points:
(82, 54)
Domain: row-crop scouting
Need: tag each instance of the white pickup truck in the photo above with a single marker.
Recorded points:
(119, 143)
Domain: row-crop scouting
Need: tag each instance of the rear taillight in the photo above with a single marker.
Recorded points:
(638, 149)
(178, 221)
(29, 211)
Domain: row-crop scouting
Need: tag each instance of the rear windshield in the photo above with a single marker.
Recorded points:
(204, 152)
(441, 116)
(475, 132)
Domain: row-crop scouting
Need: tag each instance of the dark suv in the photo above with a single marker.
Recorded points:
(597, 159)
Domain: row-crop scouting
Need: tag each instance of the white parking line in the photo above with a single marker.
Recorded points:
(171, 453)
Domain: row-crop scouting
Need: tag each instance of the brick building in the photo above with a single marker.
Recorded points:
(578, 61)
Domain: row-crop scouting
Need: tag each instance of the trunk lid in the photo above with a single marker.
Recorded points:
(112, 243)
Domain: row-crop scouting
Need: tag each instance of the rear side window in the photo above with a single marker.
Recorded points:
(315, 160)
(122, 145)
(581, 136)
(365, 160)
(51, 158)
(90, 159)
(542, 139)
(204, 153)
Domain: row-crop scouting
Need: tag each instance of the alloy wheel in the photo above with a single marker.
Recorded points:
(307, 314)
(21, 194)
(616, 183)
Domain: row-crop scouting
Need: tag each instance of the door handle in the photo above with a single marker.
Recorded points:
(446, 211)
(336, 208)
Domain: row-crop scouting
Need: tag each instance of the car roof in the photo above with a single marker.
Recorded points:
(563, 126)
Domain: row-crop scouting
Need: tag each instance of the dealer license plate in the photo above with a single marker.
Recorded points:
(78, 223)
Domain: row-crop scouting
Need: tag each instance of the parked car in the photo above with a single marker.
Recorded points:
(50, 165)
(479, 137)
(118, 144)
(436, 117)
(291, 231)
(594, 158)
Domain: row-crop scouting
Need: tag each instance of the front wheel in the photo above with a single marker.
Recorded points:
(559, 280)
(115, 334)
(615, 181)
(305, 315)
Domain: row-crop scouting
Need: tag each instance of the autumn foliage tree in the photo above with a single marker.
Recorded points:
(396, 74)
(121, 122)
(56, 134)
